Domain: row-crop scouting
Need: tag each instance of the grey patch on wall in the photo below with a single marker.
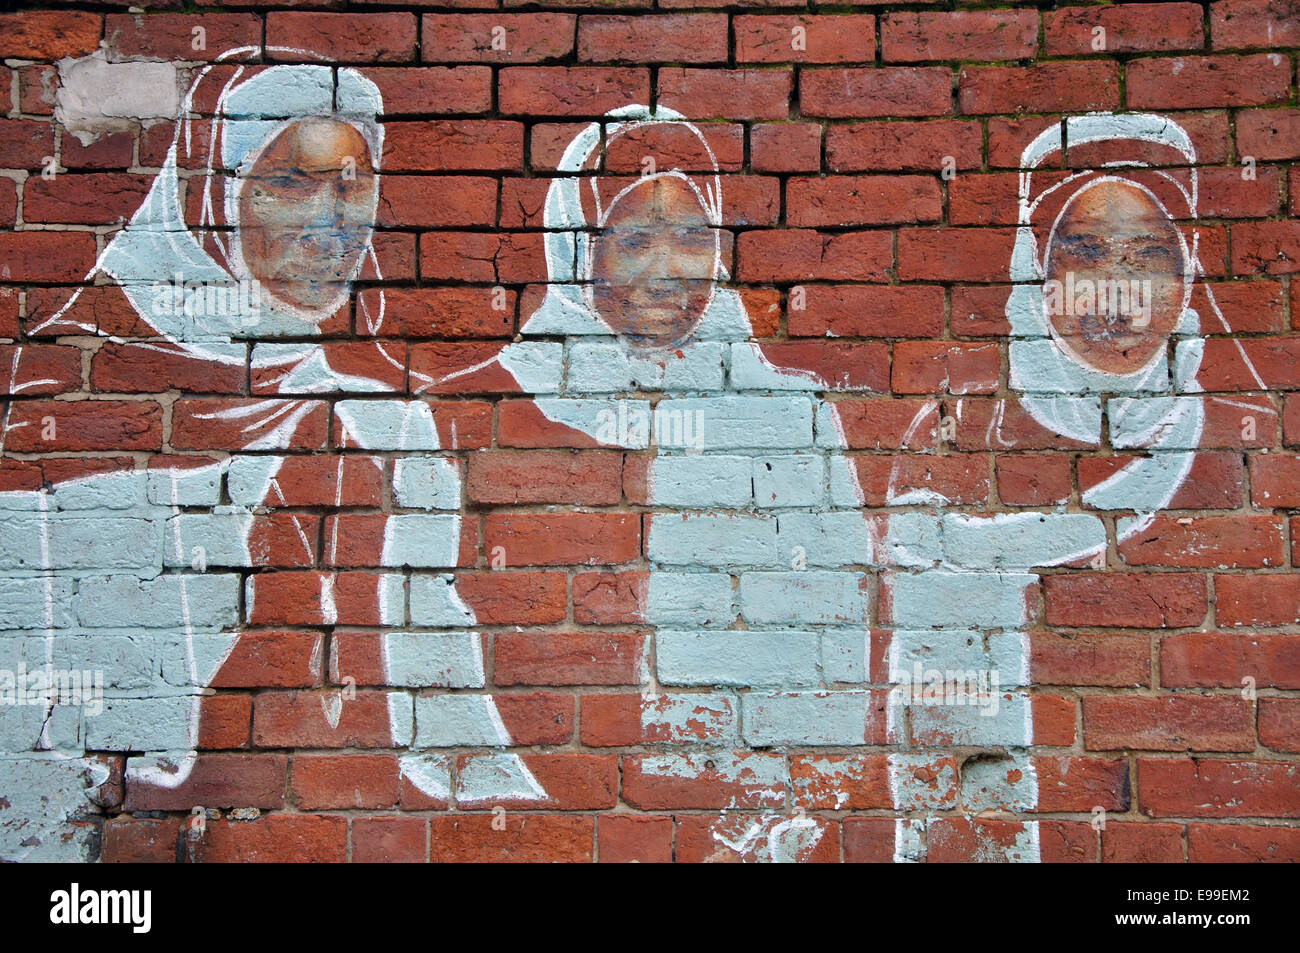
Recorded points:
(96, 96)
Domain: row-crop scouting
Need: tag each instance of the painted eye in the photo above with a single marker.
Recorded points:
(1085, 246)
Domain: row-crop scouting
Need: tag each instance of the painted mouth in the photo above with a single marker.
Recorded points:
(1107, 328)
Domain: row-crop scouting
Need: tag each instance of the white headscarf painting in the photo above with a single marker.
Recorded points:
(644, 149)
(1128, 218)
(256, 227)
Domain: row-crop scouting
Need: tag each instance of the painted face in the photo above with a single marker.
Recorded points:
(1116, 277)
(653, 264)
(306, 212)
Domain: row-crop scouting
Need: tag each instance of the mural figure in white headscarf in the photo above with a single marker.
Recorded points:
(254, 230)
(1106, 317)
(640, 344)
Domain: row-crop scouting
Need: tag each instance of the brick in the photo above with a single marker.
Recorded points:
(958, 35)
(218, 781)
(868, 840)
(868, 311)
(495, 37)
(959, 478)
(44, 425)
(110, 151)
(1269, 134)
(46, 256)
(922, 367)
(514, 598)
(1274, 480)
(49, 35)
(1270, 248)
(1167, 723)
(1165, 600)
(862, 200)
(1129, 28)
(704, 780)
(374, 539)
(221, 423)
(633, 838)
(716, 840)
(725, 94)
(512, 478)
(888, 424)
(1186, 787)
(149, 368)
(943, 254)
(576, 658)
(564, 539)
(444, 312)
(1129, 843)
(1032, 479)
(25, 143)
(77, 199)
(343, 37)
(225, 721)
(140, 840)
(844, 38)
(869, 93)
(963, 840)
(1225, 659)
(570, 90)
(286, 719)
(1242, 24)
(39, 369)
(1113, 659)
(1046, 87)
(609, 598)
(1225, 194)
(426, 201)
(1080, 784)
(786, 147)
(326, 782)
(277, 838)
(673, 38)
(389, 839)
(573, 782)
(686, 718)
(903, 146)
(1241, 843)
(530, 838)
(1208, 541)
(309, 481)
(1278, 720)
(272, 660)
(442, 145)
(1009, 137)
(992, 424)
(1201, 82)
(170, 36)
(37, 86)
(793, 255)
(1257, 599)
(410, 90)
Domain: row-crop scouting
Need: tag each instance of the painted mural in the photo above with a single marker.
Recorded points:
(792, 590)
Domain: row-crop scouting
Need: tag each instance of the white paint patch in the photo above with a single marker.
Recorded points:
(96, 96)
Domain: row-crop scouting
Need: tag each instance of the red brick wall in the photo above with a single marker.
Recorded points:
(869, 166)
